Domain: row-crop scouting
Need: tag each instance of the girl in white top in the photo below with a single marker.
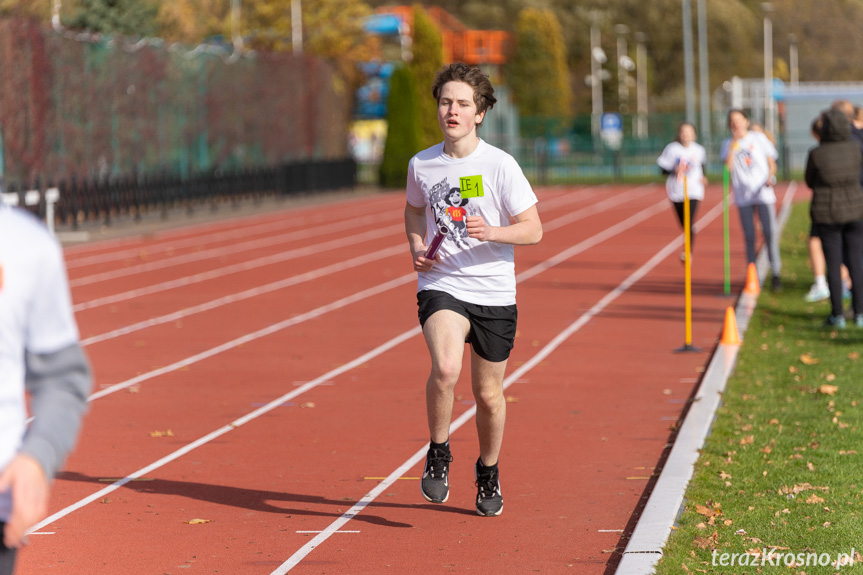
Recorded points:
(683, 160)
(751, 160)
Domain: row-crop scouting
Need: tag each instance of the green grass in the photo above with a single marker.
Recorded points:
(783, 465)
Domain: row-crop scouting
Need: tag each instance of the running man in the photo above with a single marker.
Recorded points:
(466, 294)
(39, 351)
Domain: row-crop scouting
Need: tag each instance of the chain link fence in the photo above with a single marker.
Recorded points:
(83, 112)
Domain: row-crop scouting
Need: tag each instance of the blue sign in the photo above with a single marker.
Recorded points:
(611, 130)
(611, 122)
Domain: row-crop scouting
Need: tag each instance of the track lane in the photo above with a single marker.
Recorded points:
(414, 384)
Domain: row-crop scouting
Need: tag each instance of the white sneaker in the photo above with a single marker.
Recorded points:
(817, 293)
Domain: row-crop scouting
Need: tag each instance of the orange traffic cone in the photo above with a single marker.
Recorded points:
(730, 335)
(752, 286)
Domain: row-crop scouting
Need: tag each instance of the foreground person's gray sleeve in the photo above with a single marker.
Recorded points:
(58, 383)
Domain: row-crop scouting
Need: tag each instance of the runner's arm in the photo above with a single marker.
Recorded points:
(415, 228)
(527, 229)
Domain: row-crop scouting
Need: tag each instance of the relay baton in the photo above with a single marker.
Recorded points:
(436, 242)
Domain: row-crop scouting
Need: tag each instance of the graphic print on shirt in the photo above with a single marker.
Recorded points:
(450, 206)
(744, 155)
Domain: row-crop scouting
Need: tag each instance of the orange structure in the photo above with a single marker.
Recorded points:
(460, 44)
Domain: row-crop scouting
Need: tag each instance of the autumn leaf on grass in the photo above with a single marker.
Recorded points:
(828, 389)
(814, 499)
(748, 440)
(198, 521)
(757, 553)
(801, 487)
(808, 359)
(708, 511)
(706, 542)
(167, 433)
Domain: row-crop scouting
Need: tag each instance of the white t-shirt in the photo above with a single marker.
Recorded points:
(35, 314)
(750, 171)
(487, 183)
(691, 159)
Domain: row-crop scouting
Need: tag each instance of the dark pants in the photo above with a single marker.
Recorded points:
(693, 207)
(7, 556)
(843, 242)
(767, 215)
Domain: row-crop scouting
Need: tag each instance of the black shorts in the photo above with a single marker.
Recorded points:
(814, 231)
(492, 327)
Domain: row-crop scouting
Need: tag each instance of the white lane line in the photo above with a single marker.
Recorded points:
(168, 245)
(246, 294)
(234, 248)
(250, 337)
(231, 269)
(530, 272)
(516, 376)
(550, 347)
(196, 234)
(174, 316)
(365, 358)
(347, 531)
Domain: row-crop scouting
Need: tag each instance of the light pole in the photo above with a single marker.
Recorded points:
(641, 84)
(597, 59)
(703, 72)
(297, 26)
(792, 59)
(687, 62)
(236, 38)
(55, 15)
(624, 65)
(768, 67)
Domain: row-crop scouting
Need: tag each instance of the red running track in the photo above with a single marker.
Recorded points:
(259, 400)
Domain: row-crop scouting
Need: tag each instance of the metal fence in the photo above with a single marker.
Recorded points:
(566, 153)
(130, 197)
(96, 108)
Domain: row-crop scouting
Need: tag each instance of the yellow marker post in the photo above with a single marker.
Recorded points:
(687, 274)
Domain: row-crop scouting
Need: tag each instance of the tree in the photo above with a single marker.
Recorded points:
(193, 21)
(124, 17)
(40, 9)
(537, 70)
(403, 131)
(427, 60)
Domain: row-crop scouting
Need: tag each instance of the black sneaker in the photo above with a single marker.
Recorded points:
(776, 284)
(489, 500)
(435, 481)
(836, 321)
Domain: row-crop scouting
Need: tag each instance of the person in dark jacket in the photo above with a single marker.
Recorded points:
(832, 172)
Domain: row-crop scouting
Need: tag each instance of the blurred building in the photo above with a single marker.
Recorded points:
(393, 26)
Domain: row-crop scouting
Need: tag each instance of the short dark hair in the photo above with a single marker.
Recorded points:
(737, 111)
(483, 91)
(680, 127)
